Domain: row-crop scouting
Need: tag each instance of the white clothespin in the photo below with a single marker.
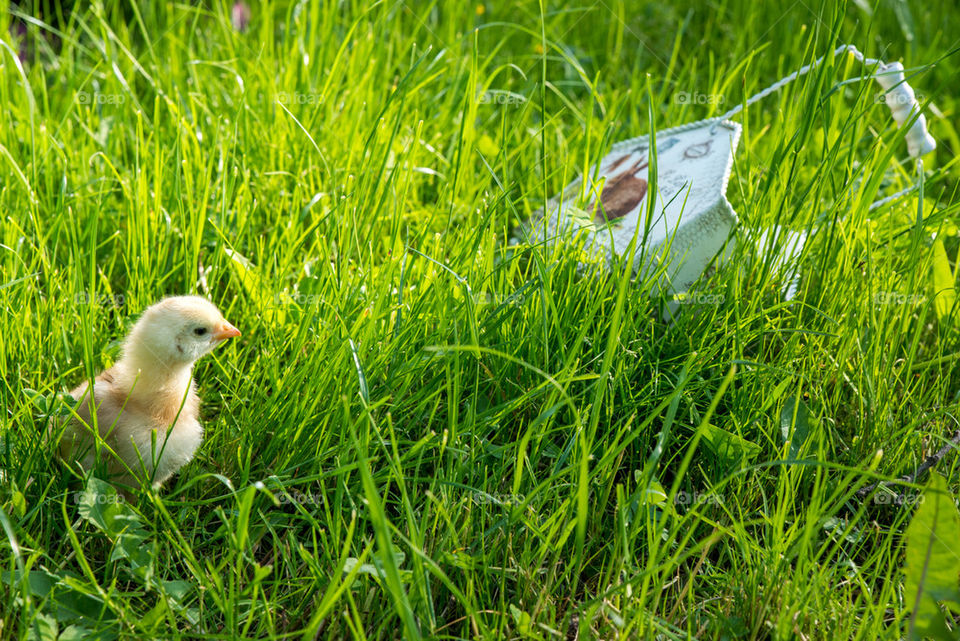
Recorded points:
(903, 105)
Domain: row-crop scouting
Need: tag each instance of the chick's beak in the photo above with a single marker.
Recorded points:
(225, 331)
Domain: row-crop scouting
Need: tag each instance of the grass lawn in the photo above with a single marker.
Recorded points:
(425, 431)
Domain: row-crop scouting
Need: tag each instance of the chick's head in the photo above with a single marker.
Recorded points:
(178, 330)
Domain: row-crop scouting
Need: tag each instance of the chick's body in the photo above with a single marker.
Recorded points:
(146, 406)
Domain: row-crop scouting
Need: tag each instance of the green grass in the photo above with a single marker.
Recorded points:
(423, 431)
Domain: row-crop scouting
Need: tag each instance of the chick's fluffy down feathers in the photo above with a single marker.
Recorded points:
(146, 406)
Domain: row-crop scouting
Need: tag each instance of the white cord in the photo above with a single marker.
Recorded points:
(892, 197)
(796, 74)
(898, 96)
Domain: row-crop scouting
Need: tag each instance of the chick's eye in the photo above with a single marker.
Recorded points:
(200, 331)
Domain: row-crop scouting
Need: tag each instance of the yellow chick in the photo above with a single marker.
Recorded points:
(146, 405)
